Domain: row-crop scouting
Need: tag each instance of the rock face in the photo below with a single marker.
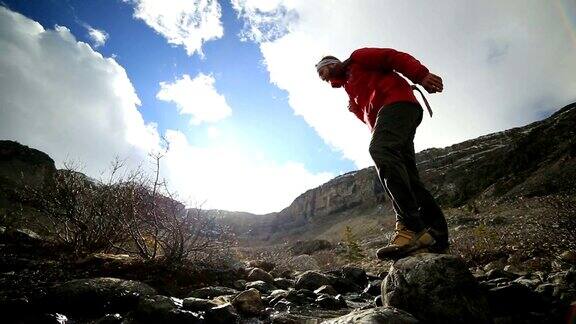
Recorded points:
(536, 159)
(22, 166)
(435, 288)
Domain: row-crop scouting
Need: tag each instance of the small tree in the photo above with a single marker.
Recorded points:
(354, 252)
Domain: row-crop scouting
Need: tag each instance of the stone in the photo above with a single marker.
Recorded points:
(378, 301)
(261, 286)
(96, 295)
(301, 296)
(239, 284)
(568, 256)
(257, 274)
(355, 274)
(326, 289)
(211, 292)
(344, 285)
(248, 302)
(164, 309)
(111, 319)
(282, 305)
(497, 273)
(374, 287)
(513, 298)
(284, 283)
(223, 314)
(495, 265)
(435, 288)
(279, 292)
(312, 280)
(388, 315)
(197, 304)
(330, 302)
(262, 264)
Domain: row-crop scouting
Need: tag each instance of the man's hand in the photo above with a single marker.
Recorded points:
(432, 83)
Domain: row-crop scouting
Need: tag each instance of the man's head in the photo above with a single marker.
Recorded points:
(331, 69)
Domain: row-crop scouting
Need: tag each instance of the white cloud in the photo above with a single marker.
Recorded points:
(63, 98)
(196, 97)
(189, 23)
(60, 96)
(503, 63)
(227, 177)
(98, 37)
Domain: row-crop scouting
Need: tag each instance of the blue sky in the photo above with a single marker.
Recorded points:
(261, 116)
(232, 87)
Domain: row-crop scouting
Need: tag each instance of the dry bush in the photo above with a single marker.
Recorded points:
(129, 212)
(328, 260)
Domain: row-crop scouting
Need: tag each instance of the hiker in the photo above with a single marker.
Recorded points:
(385, 101)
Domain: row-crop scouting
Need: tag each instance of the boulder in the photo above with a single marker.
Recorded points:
(388, 315)
(97, 294)
(313, 280)
(248, 302)
(330, 302)
(262, 264)
(164, 309)
(284, 283)
(223, 314)
(259, 274)
(197, 304)
(355, 274)
(373, 288)
(261, 286)
(435, 288)
(514, 298)
(326, 289)
(211, 292)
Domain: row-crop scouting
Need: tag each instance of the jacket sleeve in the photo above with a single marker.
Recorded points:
(390, 59)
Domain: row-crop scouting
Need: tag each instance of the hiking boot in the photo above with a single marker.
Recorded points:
(406, 242)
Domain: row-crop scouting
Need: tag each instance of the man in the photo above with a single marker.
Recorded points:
(384, 100)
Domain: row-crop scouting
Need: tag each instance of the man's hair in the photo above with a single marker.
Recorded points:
(329, 57)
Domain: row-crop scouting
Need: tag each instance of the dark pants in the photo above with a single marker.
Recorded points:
(392, 149)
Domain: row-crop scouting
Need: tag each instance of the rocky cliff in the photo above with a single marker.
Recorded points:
(536, 159)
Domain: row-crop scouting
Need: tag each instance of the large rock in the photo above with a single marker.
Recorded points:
(435, 288)
(211, 292)
(223, 314)
(383, 315)
(97, 294)
(164, 309)
(259, 274)
(248, 302)
(312, 280)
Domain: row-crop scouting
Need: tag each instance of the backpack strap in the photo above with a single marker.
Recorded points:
(415, 87)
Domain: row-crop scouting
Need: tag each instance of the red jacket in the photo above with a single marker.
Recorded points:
(372, 81)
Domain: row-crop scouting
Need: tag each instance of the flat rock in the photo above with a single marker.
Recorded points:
(383, 315)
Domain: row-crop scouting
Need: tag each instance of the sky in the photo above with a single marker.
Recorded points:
(228, 92)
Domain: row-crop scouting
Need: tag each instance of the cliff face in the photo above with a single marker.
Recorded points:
(536, 159)
(22, 166)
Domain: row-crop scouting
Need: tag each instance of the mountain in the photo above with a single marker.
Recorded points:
(533, 160)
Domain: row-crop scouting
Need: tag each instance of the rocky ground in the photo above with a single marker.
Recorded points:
(39, 284)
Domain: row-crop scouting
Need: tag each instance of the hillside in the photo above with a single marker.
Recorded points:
(534, 160)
